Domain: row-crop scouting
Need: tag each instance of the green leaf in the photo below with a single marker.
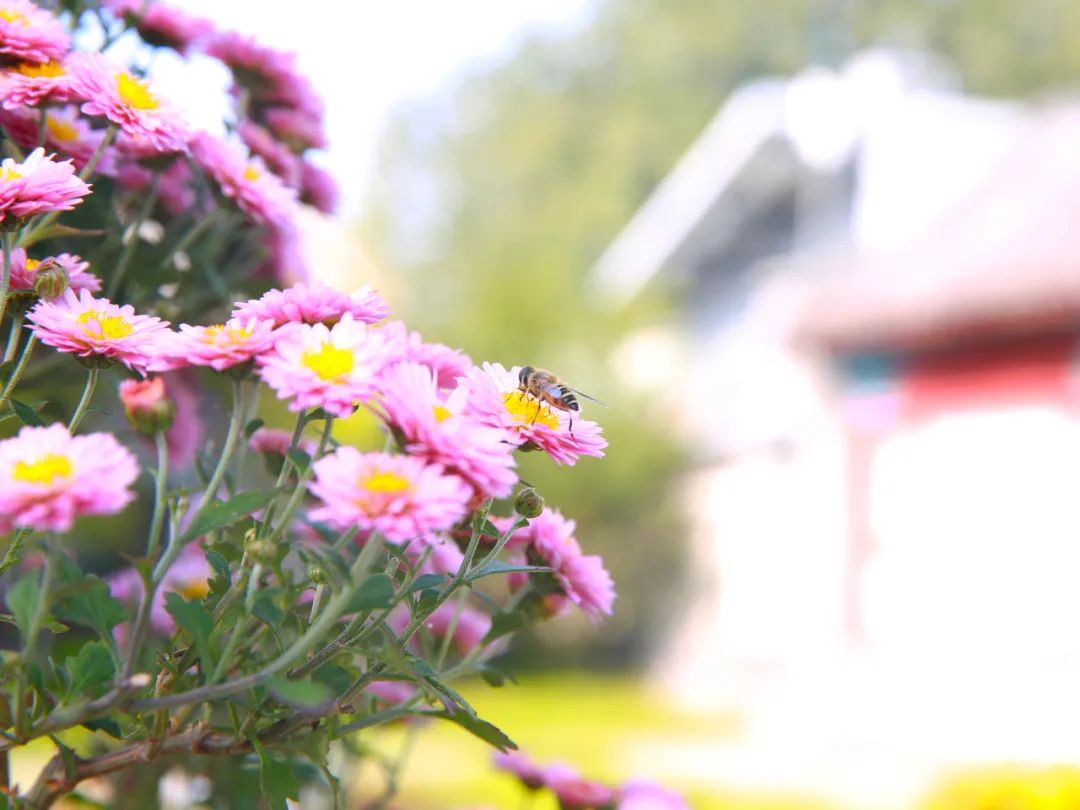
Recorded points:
(427, 581)
(220, 565)
(276, 778)
(267, 610)
(494, 676)
(504, 623)
(377, 591)
(481, 728)
(196, 619)
(299, 459)
(219, 514)
(22, 600)
(90, 669)
(106, 724)
(300, 694)
(26, 414)
(252, 426)
(491, 530)
(501, 567)
(90, 603)
(58, 229)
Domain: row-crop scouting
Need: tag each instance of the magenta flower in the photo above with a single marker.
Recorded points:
(220, 346)
(641, 794)
(469, 629)
(259, 193)
(318, 188)
(49, 477)
(390, 693)
(574, 792)
(24, 271)
(582, 577)
(31, 83)
(332, 368)
(275, 154)
(272, 440)
(162, 25)
(127, 101)
(189, 576)
(37, 185)
(448, 364)
(95, 327)
(400, 497)
(185, 437)
(528, 772)
(314, 303)
(29, 33)
(285, 261)
(174, 184)
(495, 400)
(296, 128)
(438, 429)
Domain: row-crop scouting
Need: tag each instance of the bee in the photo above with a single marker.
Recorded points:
(550, 390)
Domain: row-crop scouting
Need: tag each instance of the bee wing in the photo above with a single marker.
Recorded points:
(583, 394)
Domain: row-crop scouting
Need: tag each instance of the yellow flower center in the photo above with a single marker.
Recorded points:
(193, 589)
(62, 131)
(386, 482)
(230, 334)
(32, 264)
(111, 326)
(49, 70)
(529, 410)
(135, 93)
(44, 470)
(251, 174)
(441, 413)
(10, 174)
(11, 16)
(329, 362)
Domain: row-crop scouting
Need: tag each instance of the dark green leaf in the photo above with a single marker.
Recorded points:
(252, 426)
(26, 414)
(276, 778)
(90, 603)
(377, 591)
(220, 565)
(106, 724)
(299, 458)
(481, 728)
(196, 620)
(494, 677)
(300, 694)
(427, 581)
(22, 600)
(267, 610)
(219, 514)
(501, 567)
(90, 669)
(504, 623)
(491, 530)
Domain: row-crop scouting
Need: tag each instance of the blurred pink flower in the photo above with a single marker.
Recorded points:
(24, 271)
(259, 193)
(390, 693)
(285, 260)
(142, 396)
(582, 577)
(126, 101)
(174, 184)
(574, 792)
(267, 74)
(275, 154)
(448, 364)
(187, 432)
(30, 84)
(641, 794)
(495, 400)
(400, 497)
(332, 368)
(29, 33)
(37, 185)
(49, 477)
(313, 303)
(469, 629)
(296, 128)
(162, 25)
(272, 440)
(436, 428)
(220, 346)
(522, 766)
(318, 188)
(88, 326)
(189, 576)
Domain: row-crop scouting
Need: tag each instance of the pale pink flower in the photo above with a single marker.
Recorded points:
(162, 25)
(318, 188)
(313, 303)
(582, 577)
(189, 576)
(331, 368)
(142, 396)
(37, 185)
(400, 497)
(390, 693)
(275, 154)
(641, 794)
(31, 83)
(49, 477)
(469, 629)
(29, 33)
(259, 193)
(437, 428)
(495, 400)
(88, 327)
(528, 772)
(220, 346)
(285, 260)
(185, 437)
(24, 271)
(273, 440)
(574, 792)
(448, 364)
(298, 129)
(127, 101)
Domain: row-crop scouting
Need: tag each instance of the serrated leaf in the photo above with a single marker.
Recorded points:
(220, 565)
(276, 778)
(26, 414)
(218, 514)
(252, 426)
(88, 670)
(22, 600)
(486, 731)
(502, 567)
(377, 591)
(196, 620)
(267, 610)
(300, 694)
(425, 581)
(90, 603)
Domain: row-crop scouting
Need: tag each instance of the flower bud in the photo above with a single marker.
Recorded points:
(50, 279)
(147, 406)
(317, 575)
(528, 503)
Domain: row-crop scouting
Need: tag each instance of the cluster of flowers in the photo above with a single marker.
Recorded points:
(574, 792)
(104, 117)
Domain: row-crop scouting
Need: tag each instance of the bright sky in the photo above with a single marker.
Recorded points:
(366, 57)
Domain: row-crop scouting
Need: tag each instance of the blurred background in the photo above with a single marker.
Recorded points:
(822, 260)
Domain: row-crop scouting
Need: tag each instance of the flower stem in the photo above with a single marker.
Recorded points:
(13, 341)
(22, 714)
(84, 401)
(5, 277)
(17, 372)
(301, 485)
(131, 237)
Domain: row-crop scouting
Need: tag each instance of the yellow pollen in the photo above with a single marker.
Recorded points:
(329, 362)
(44, 470)
(61, 130)
(219, 333)
(49, 70)
(8, 15)
(193, 589)
(32, 264)
(135, 93)
(111, 327)
(529, 410)
(441, 413)
(251, 174)
(10, 174)
(386, 482)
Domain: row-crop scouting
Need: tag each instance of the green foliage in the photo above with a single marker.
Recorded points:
(90, 671)
(197, 621)
(219, 514)
(88, 601)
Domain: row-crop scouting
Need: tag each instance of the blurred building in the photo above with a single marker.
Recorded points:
(882, 287)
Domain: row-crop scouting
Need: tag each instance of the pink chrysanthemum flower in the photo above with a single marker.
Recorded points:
(189, 576)
(186, 435)
(286, 261)
(126, 101)
(575, 792)
(49, 477)
(174, 184)
(66, 132)
(24, 271)
(95, 327)
(528, 772)
(448, 364)
(332, 368)
(275, 154)
(437, 428)
(162, 25)
(495, 400)
(400, 497)
(470, 626)
(259, 193)
(272, 440)
(296, 127)
(29, 33)
(582, 577)
(37, 185)
(314, 303)
(220, 346)
(641, 794)
(318, 188)
(32, 83)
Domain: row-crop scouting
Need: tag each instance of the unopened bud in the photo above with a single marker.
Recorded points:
(317, 575)
(147, 406)
(50, 279)
(261, 551)
(528, 503)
